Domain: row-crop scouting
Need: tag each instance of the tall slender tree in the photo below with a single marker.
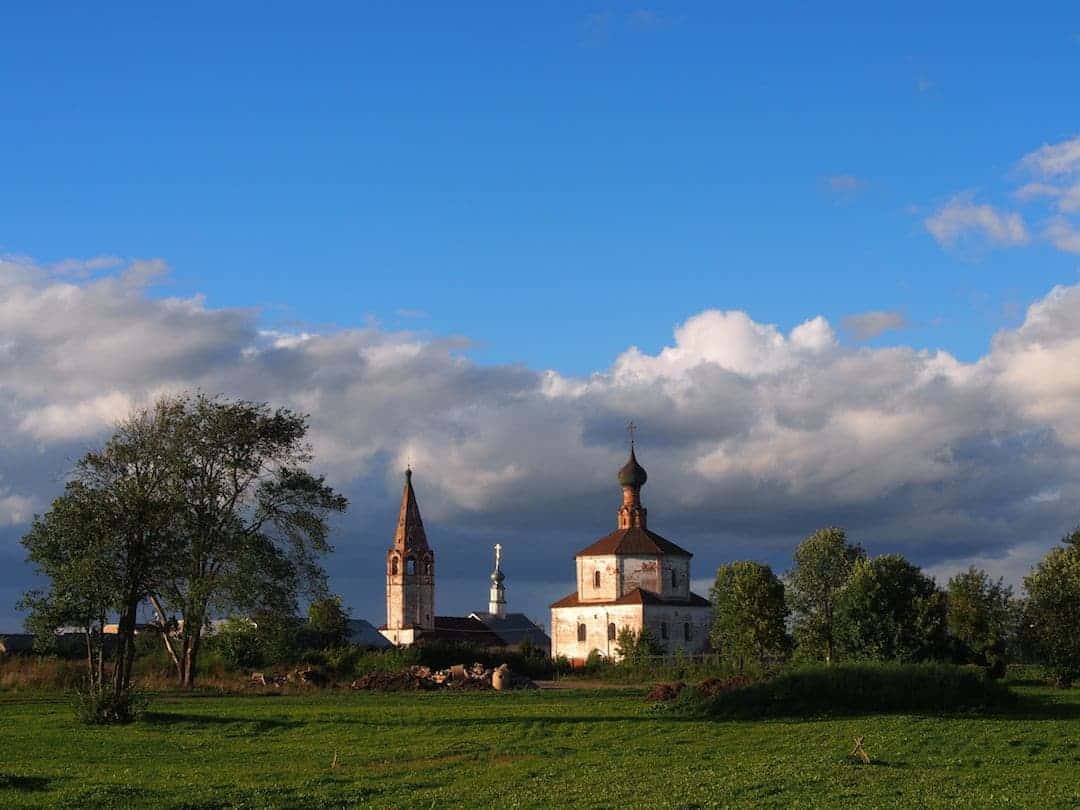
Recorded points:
(981, 618)
(105, 542)
(253, 522)
(824, 562)
(749, 613)
(1052, 609)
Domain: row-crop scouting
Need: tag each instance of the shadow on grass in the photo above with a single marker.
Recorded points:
(24, 784)
(510, 720)
(1032, 708)
(249, 724)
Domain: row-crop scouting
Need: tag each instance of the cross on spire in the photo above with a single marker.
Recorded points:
(498, 555)
(631, 428)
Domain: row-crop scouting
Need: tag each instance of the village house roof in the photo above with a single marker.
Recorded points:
(633, 540)
(634, 597)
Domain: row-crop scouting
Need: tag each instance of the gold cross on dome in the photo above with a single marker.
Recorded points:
(631, 428)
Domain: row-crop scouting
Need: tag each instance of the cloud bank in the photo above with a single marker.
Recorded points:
(753, 436)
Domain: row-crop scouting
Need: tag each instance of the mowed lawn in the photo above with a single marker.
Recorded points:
(536, 749)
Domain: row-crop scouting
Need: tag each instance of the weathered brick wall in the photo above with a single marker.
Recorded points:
(564, 628)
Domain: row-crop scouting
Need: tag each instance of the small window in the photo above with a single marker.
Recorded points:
(393, 566)
(427, 567)
(686, 631)
(410, 566)
(596, 579)
(663, 630)
(674, 578)
(611, 632)
(581, 632)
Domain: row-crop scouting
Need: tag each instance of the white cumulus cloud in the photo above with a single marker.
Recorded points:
(961, 217)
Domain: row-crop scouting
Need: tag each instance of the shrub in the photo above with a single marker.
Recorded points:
(328, 620)
(98, 707)
(853, 689)
(237, 641)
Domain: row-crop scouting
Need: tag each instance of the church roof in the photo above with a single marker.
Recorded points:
(410, 535)
(634, 597)
(462, 629)
(633, 540)
(365, 634)
(514, 628)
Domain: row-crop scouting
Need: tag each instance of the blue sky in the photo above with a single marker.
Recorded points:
(555, 182)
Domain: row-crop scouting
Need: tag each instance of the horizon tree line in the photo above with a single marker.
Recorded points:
(839, 603)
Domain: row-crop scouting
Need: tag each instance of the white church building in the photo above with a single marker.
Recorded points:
(632, 578)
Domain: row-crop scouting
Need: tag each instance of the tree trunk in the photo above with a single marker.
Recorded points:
(90, 653)
(165, 637)
(125, 648)
(192, 642)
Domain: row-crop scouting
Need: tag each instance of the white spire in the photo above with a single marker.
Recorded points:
(497, 599)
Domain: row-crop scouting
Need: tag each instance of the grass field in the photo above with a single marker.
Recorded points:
(530, 749)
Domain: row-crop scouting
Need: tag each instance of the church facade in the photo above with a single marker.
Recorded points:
(631, 578)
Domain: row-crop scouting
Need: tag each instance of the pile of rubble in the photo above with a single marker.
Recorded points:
(475, 677)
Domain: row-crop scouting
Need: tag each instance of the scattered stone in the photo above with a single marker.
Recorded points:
(458, 677)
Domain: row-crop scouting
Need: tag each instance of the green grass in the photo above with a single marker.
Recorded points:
(531, 749)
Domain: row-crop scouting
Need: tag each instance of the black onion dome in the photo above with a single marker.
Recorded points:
(632, 474)
(497, 576)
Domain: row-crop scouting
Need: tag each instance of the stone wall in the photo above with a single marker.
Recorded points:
(597, 618)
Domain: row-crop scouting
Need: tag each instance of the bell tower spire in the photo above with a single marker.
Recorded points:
(410, 573)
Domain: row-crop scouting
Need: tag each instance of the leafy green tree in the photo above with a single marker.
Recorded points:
(749, 612)
(625, 643)
(823, 565)
(981, 617)
(71, 547)
(890, 611)
(636, 647)
(103, 545)
(253, 521)
(329, 620)
(1052, 609)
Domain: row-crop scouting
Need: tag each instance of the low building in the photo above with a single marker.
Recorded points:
(632, 578)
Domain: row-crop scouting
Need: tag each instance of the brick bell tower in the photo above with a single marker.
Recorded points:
(410, 575)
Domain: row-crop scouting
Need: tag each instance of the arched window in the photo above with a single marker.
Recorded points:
(427, 567)
(663, 630)
(611, 632)
(596, 579)
(687, 633)
(581, 632)
(674, 578)
(393, 566)
(410, 566)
